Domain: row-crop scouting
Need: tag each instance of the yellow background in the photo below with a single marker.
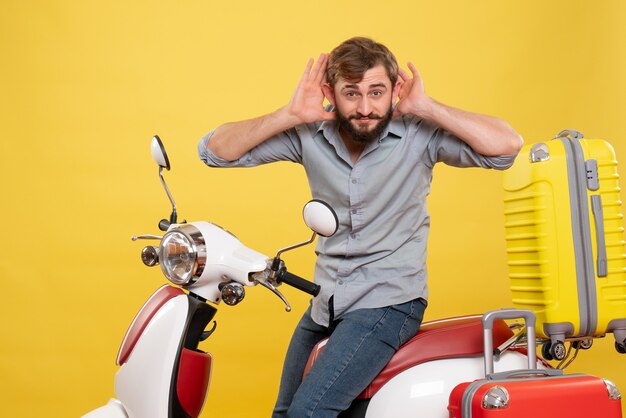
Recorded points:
(85, 84)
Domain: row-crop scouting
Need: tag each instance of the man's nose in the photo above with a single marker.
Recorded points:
(364, 107)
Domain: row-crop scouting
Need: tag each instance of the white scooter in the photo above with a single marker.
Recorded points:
(163, 374)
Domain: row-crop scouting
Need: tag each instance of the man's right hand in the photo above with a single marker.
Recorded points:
(232, 140)
(307, 103)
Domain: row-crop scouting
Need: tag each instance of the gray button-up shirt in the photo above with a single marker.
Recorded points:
(378, 255)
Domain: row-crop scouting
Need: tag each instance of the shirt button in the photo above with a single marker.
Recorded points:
(353, 181)
(352, 236)
(354, 211)
(340, 282)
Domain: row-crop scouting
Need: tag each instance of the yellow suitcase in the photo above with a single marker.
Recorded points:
(565, 240)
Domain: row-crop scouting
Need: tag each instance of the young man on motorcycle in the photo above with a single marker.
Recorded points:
(370, 155)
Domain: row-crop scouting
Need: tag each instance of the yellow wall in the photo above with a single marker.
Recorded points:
(85, 84)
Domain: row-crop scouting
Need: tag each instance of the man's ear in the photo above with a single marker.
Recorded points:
(396, 90)
(329, 93)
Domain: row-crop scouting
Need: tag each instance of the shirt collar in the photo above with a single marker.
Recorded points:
(397, 127)
(330, 130)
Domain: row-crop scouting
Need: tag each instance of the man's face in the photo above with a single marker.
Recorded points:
(364, 109)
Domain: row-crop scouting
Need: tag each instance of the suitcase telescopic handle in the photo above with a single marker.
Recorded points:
(488, 320)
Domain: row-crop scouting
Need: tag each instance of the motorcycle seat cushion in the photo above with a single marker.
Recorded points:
(440, 339)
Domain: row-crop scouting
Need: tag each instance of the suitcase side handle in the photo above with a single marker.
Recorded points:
(488, 320)
(598, 216)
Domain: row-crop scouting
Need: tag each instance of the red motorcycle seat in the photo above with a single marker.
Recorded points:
(436, 340)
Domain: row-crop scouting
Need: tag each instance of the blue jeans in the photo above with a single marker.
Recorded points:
(360, 345)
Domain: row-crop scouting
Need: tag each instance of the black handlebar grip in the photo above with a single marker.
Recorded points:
(300, 283)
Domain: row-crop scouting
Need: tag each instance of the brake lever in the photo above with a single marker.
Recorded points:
(273, 289)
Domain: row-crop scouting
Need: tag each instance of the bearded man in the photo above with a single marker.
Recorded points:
(370, 155)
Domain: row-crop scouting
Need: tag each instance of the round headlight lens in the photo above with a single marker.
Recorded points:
(178, 257)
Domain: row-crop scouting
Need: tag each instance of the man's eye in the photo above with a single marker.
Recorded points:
(350, 94)
(377, 93)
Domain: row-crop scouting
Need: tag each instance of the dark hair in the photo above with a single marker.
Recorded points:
(352, 58)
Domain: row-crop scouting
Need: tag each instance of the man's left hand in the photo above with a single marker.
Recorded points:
(412, 96)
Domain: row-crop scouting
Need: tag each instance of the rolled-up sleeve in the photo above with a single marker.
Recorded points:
(447, 148)
(285, 146)
(207, 156)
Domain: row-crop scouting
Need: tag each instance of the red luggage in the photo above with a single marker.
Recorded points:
(534, 392)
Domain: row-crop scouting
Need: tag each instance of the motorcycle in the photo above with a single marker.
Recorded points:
(163, 374)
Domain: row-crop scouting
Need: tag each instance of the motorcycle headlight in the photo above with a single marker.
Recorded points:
(182, 255)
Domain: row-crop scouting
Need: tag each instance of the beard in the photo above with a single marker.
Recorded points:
(364, 135)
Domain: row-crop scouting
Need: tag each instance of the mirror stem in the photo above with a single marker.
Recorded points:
(173, 216)
(296, 246)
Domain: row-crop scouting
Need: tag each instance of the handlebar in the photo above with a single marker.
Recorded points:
(298, 282)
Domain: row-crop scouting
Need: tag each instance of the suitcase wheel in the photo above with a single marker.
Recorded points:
(621, 347)
(554, 351)
(582, 344)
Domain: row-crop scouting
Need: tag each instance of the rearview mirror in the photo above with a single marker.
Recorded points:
(158, 153)
(320, 217)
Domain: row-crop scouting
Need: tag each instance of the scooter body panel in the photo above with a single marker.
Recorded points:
(113, 409)
(225, 256)
(144, 382)
(142, 319)
(423, 390)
